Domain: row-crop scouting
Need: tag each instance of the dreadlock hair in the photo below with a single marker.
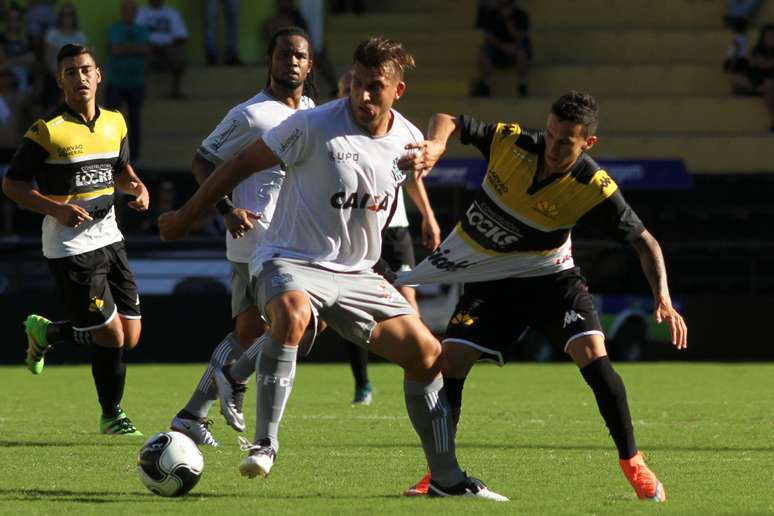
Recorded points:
(578, 108)
(310, 87)
(382, 53)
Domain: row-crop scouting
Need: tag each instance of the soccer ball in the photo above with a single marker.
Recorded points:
(170, 464)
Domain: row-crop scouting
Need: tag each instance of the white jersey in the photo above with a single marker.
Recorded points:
(165, 24)
(400, 219)
(244, 124)
(340, 187)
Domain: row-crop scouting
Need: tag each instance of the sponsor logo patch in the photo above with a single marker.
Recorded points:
(355, 201)
(96, 304)
(463, 319)
(570, 317)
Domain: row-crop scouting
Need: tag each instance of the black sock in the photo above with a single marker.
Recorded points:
(358, 360)
(453, 388)
(610, 393)
(62, 332)
(109, 373)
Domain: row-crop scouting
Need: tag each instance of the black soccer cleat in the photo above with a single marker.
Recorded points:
(468, 487)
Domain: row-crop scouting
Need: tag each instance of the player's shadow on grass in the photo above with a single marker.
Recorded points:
(57, 444)
(574, 447)
(64, 495)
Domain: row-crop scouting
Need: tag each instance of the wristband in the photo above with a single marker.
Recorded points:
(224, 206)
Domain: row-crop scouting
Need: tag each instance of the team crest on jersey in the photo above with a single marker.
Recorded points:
(463, 319)
(96, 304)
(398, 174)
(508, 130)
(547, 208)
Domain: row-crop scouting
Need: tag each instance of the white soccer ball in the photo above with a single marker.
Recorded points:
(170, 464)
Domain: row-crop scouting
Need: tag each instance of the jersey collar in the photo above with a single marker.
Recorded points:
(79, 118)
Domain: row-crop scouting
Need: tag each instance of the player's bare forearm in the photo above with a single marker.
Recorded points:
(26, 196)
(441, 127)
(127, 181)
(201, 168)
(415, 187)
(652, 261)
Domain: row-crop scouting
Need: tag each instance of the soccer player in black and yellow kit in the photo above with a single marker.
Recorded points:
(67, 168)
(512, 249)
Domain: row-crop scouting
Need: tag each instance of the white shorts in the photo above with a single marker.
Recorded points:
(350, 302)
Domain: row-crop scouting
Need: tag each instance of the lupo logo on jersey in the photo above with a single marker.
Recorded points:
(343, 157)
(355, 201)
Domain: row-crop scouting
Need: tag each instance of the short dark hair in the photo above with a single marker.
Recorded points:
(378, 52)
(72, 50)
(579, 108)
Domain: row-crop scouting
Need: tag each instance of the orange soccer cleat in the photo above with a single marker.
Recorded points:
(642, 479)
(420, 488)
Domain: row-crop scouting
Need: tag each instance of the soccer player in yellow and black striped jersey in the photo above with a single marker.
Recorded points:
(68, 168)
(512, 249)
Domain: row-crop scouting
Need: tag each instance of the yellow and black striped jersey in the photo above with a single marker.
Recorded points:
(517, 226)
(74, 161)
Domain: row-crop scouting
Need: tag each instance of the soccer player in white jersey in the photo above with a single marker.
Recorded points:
(398, 253)
(252, 203)
(316, 258)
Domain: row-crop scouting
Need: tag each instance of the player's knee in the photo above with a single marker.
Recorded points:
(289, 321)
(429, 355)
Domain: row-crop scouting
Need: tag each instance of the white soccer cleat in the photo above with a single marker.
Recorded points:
(231, 396)
(260, 458)
(196, 429)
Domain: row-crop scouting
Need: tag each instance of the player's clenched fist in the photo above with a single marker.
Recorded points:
(172, 226)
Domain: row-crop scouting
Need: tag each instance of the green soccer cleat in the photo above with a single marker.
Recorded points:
(119, 425)
(36, 327)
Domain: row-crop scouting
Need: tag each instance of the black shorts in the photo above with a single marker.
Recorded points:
(490, 316)
(398, 249)
(96, 285)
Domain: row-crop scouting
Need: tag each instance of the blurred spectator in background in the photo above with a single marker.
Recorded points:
(314, 14)
(231, 13)
(506, 44)
(285, 15)
(210, 225)
(15, 116)
(345, 85)
(737, 19)
(757, 76)
(168, 36)
(739, 13)
(128, 46)
(16, 47)
(40, 18)
(65, 30)
(345, 6)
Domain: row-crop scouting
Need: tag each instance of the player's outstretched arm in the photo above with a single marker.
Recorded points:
(652, 261)
(257, 156)
(427, 153)
(25, 195)
(128, 182)
(238, 221)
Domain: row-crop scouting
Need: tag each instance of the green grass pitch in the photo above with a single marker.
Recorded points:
(531, 431)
